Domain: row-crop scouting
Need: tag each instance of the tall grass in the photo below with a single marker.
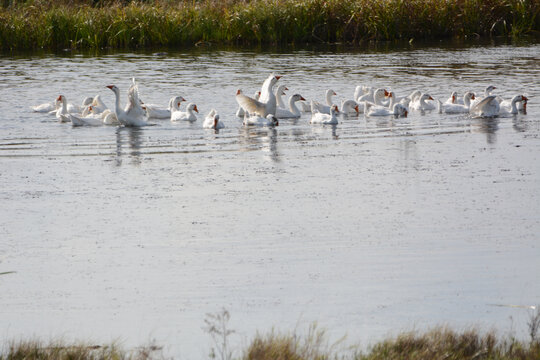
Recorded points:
(124, 24)
(439, 343)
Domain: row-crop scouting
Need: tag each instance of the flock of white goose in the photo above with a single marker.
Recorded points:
(267, 107)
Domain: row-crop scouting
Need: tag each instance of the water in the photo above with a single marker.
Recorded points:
(370, 228)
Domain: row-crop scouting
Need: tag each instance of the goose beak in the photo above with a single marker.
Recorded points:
(334, 93)
(386, 93)
(238, 92)
(524, 98)
(182, 99)
(286, 89)
(143, 107)
(302, 98)
(430, 98)
(453, 99)
(179, 104)
(278, 77)
(59, 98)
(406, 113)
(110, 86)
(195, 108)
(357, 110)
(473, 97)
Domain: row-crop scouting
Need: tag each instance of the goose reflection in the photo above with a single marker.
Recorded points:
(133, 142)
(264, 139)
(488, 126)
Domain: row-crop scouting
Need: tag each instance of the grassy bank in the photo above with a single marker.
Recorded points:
(436, 344)
(160, 23)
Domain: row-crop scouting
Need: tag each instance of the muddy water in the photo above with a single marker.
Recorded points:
(370, 227)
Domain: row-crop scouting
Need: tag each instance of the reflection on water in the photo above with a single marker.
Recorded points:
(489, 126)
(130, 136)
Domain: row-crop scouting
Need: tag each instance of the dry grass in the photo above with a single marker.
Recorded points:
(124, 24)
(440, 344)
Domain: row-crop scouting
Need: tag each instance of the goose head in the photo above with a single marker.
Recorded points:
(454, 97)
(216, 120)
(297, 97)
(489, 90)
(176, 102)
(192, 107)
(114, 88)
(334, 110)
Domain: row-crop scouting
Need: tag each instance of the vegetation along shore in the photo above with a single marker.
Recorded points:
(86, 24)
(439, 343)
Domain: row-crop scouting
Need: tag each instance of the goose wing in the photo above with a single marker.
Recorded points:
(251, 105)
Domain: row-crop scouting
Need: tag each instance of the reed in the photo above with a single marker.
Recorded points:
(439, 343)
(161, 23)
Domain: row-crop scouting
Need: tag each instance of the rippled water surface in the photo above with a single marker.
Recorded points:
(370, 227)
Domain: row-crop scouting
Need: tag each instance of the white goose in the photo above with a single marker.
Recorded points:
(453, 99)
(240, 111)
(362, 91)
(256, 120)
(487, 92)
(293, 111)
(106, 117)
(280, 91)
(188, 115)
(62, 113)
(487, 107)
(520, 105)
(350, 108)
(73, 108)
(325, 119)
(511, 107)
(47, 107)
(266, 104)
(455, 108)
(316, 106)
(98, 105)
(376, 97)
(421, 104)
(398, 109)
(133, 114)
(211, 121)
(157, 112)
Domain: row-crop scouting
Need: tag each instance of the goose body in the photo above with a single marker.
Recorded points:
(133, 114)
(456, 108)
(487, 107)
(421, 104)
(267, 103)
(188, 115)
(398, 109)
(293, 111)
(256, 120)
(325, 119)
(211, 121)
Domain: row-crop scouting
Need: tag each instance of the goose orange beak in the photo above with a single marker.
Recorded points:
(473, 97)
(278, 77)
(110, 86)
(386, 93)
(430, 98)
(406, 113)
(524, 98)
(238, 92)
(195, 108)
(59, 98)
(302, 98)
(356, 108)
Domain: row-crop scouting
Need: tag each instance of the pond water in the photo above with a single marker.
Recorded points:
(370, 227)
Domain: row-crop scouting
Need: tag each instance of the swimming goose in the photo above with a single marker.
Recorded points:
(421, 104)
(266, 104)
(256, 120)
(156, 112)
(211, 121)
(325, 119)
(240, 110)
(133, 114)
(398, 109)
(62, 114)
(293, 111)
(487, 107)
(188, 115)
(455, 108)
(511, 107)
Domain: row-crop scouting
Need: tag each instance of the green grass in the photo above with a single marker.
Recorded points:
(160, 23)
(440, 343)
